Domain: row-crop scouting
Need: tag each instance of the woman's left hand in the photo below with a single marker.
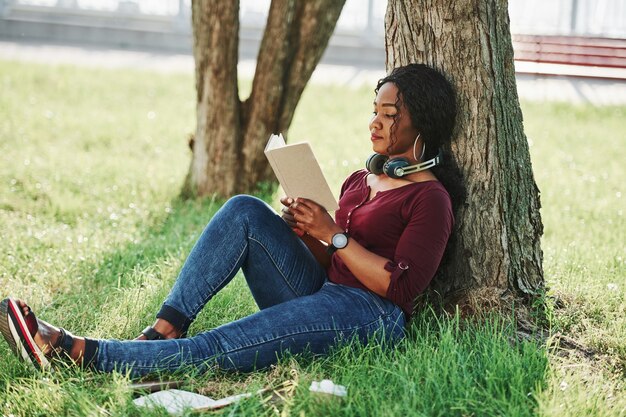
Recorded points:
(314, 219)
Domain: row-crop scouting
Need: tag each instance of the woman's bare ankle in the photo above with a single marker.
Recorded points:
(78, 350)
(47, 338)
(164, 328)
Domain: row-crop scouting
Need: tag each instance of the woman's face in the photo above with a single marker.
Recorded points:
(386, 114)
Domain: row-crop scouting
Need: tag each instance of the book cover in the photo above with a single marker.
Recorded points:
(298, 171)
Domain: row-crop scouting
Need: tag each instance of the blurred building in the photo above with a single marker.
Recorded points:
(584, 39)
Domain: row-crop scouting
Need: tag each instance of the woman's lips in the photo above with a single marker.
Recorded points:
(376, 137)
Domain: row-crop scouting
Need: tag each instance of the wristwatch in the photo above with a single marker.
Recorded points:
(338, 241)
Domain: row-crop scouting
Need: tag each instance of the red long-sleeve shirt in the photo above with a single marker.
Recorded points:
(409, 225)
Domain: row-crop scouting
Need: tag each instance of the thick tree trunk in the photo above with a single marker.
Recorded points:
(230, 136)
(497, 249)
(217, 141)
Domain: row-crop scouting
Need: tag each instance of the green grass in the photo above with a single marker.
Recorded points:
(93, 235)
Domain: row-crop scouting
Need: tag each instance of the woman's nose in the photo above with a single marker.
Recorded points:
(374, 122)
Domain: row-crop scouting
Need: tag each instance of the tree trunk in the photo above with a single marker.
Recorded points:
(218, 133)
(230, 136)
(498, 230)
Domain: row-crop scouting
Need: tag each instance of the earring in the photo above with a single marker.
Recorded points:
(414, 145)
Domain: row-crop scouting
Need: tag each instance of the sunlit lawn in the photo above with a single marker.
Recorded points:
(93, 234)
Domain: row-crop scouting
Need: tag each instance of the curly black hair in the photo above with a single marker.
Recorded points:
(431, 102)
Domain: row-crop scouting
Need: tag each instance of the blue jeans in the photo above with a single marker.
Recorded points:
(300, 310)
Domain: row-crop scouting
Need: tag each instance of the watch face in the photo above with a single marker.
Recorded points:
(340, 240)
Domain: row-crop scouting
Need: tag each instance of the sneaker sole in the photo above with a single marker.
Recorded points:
(15, 331)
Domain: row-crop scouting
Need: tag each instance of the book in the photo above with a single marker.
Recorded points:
(298, 172)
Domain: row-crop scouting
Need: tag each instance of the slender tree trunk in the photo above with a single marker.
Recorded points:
(230, 136)
(498, 230)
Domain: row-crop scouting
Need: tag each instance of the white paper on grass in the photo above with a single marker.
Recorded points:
(176, 401)
(326, 386)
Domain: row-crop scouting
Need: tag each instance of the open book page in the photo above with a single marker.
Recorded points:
(275, 141)
(298, 171)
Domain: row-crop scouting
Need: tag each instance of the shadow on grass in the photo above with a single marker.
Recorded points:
(129, 284)
(445, 366)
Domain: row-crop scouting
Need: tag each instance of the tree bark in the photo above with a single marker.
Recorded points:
(498, 230)
(230, 136)
(217, 140)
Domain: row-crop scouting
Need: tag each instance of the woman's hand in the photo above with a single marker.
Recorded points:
(313, 219)
(286, 213)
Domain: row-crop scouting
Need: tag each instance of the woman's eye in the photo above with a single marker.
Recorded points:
(390, 116)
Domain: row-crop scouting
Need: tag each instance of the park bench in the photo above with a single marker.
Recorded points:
(570, 55)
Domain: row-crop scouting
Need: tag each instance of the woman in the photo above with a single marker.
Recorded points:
(332, 280)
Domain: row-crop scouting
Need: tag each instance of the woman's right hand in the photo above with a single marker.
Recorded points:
(287, 215)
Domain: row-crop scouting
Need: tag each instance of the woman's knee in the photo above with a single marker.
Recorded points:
(244, 203)
(247, 207)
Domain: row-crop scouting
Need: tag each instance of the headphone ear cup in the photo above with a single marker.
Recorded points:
(375, 163)
(391, 167)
